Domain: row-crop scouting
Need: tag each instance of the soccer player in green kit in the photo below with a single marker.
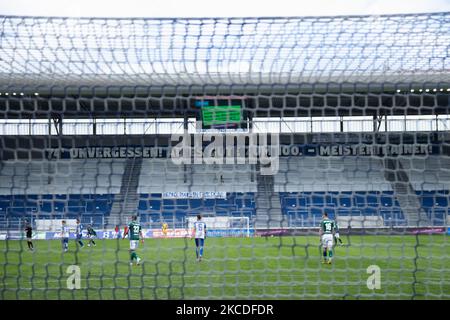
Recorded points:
(135, 234)
(327, 230)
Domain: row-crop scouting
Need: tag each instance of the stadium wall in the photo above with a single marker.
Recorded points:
(47, 147)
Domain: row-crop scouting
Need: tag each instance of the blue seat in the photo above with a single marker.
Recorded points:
(76, 210)
(142, 205)
(427, 202)
(360, 200)
(358, 203)
(74, 203)
(155, 205)
(386, 201)
(370, 211)
(372, 200)
(291, 202)
(59, 206)
(317, 200)
(345, 201)
(441, 201)
(195, 203)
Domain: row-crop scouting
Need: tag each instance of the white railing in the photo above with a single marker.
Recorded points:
(130, 126)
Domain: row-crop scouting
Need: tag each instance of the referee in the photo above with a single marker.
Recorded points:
(29, 234)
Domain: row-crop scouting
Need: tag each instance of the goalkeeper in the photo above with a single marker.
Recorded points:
(135, 231)
(165, 228)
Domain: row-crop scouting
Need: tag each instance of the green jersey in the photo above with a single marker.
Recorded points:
(91, 231)
(327, 226)
(134, 230)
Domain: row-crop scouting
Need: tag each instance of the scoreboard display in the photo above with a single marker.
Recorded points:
(220, 115)
(221, 112)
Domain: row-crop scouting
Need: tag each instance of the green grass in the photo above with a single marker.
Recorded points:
(233, 268)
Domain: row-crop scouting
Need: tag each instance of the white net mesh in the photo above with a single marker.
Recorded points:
(167, 119)
(142, 52)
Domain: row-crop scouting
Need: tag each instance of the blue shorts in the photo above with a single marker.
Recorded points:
(199, 242)
(79, 236)
(65, 240)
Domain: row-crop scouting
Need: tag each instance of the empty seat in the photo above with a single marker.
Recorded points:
(142, 205)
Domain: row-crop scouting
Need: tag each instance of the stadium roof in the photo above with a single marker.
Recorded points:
(254, 54)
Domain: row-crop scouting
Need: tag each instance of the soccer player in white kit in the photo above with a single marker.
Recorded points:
(64, 236)
(199, 233)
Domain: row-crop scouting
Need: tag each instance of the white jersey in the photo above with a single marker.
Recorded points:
(64, 232)
(200, 229)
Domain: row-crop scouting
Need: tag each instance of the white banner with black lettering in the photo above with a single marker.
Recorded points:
(194, 195)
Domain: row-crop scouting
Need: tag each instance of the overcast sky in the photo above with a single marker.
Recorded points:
(216, 8)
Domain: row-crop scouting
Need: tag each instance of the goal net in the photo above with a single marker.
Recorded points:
(225, 226)
(117, 130)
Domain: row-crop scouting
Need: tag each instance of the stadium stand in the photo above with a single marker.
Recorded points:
(357, 187)
(154, 209)
(58, 189)
(91, 176)
(306, 187)
(305, 209)
(435, 203)
(91, 208)
(309, 174)
(162, 175)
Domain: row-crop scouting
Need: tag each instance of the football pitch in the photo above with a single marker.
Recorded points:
(411, 267)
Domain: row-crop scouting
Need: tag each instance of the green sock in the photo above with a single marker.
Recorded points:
(133, 256)
(330, 253)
